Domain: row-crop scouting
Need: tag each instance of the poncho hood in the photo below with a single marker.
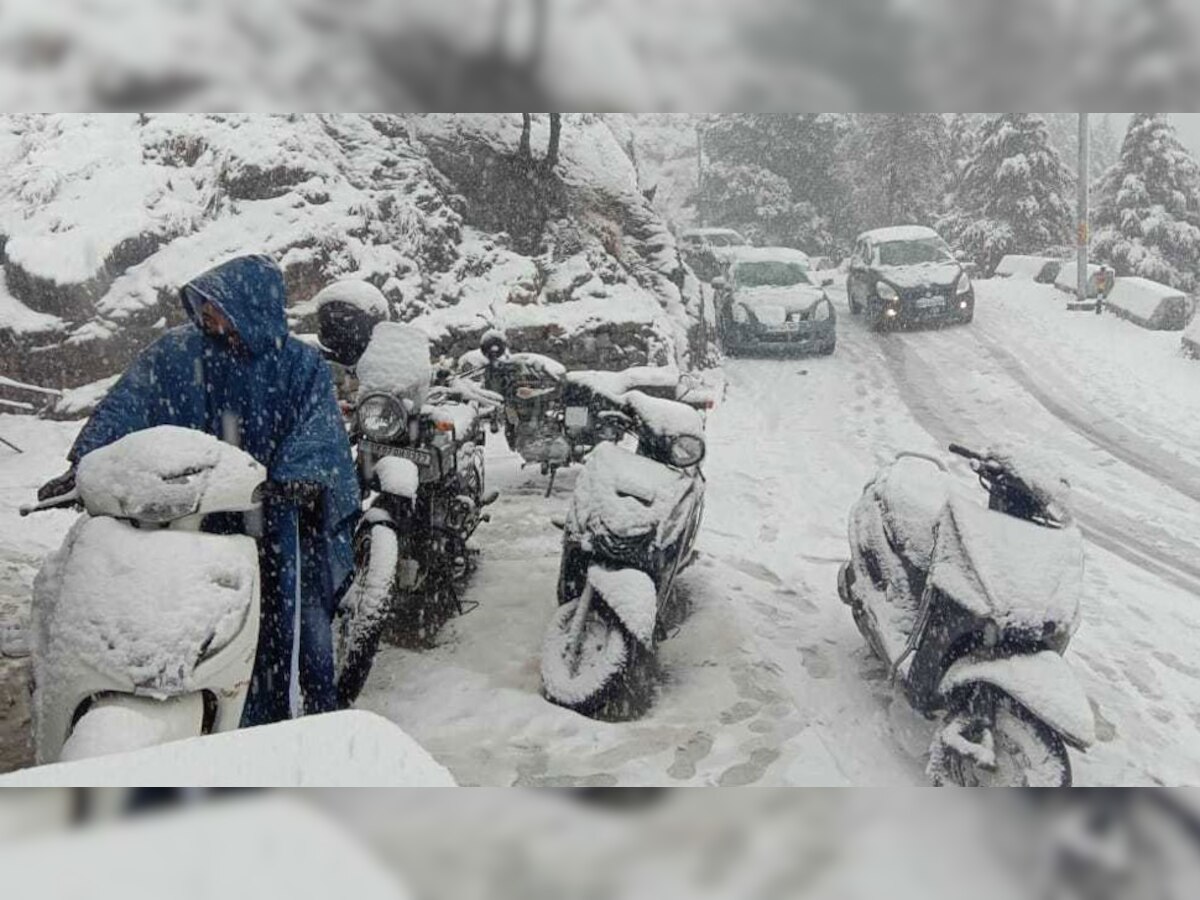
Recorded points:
(251, 293)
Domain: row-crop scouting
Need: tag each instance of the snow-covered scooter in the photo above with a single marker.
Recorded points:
(629, 531)
(971, 609)
(144, 627)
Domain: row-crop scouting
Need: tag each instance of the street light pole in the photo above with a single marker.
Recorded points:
(1081, 236)
(700, 175)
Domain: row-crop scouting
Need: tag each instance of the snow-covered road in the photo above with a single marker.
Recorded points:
(768, 681)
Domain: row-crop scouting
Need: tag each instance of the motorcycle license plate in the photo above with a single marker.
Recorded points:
(931, 302)
(423, 458)
(576, 417)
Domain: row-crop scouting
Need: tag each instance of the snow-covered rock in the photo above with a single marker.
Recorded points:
(103, 217)
(1149, 304)
(1041, 269)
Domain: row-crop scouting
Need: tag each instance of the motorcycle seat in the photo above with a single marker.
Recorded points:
(654, 381)
(912, 492)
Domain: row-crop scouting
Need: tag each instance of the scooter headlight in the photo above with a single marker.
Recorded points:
(687, 450)
(381, 417)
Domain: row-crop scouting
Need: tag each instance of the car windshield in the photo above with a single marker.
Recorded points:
(768, 273)
(910, 253)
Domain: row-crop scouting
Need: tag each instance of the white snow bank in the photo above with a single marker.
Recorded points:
(631, 595)
(352, 748)
(396, 361)
(1068, 277)
(18, 318)
(141, 606)
(262, 846)
(1150, 304)
(1027, 268)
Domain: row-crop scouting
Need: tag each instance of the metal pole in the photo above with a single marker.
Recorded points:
(1081, 237)
(699, 176)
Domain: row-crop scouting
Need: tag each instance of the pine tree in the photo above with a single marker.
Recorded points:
(1015, 195)
(1147, 217)
(1103, 150)
(963, 141)
(898, 164)
(749, 151)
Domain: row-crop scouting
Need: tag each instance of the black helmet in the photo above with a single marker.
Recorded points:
(493, 346)
(347, 313)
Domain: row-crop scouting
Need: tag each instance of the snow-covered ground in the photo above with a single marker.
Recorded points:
(768, 681)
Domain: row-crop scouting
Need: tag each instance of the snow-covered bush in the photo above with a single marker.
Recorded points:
(1014, 195)
(1147, 219)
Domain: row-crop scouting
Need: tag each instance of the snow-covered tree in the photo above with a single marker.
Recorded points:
(963, 140)
(752, 158)
(1015, 195)
(1104, 146)
(898, 164)
(1147, 219)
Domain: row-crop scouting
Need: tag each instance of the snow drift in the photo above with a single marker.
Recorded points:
(1149, 304)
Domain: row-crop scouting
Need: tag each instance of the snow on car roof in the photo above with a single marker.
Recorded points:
(898, 233)
(769, 254)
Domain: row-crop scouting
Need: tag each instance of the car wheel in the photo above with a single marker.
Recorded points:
(827, 349)
(855, 306)
(969, 316)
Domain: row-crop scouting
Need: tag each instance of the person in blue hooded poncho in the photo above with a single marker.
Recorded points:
(236, 373)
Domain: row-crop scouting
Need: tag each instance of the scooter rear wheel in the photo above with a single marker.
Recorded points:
(1028, 753)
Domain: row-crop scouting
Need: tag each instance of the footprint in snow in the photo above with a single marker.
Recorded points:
(749, 771)
(739, 712)
(687, 754)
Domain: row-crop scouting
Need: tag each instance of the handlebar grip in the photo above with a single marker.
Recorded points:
(960, 450)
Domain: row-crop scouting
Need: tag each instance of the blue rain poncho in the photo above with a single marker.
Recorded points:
(273, 396)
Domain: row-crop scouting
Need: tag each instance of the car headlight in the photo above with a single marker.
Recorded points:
(963, 285)
(740, 315)
(687, 450)
(886, 292)
(822, 311)
(381, 417)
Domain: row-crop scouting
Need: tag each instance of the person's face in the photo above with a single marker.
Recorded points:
(214, 321)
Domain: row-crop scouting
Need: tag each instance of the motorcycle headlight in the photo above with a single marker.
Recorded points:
(381, 417)
(886, 292)
(963, 285)
(821, 311)
(740, 315)
(687, 450)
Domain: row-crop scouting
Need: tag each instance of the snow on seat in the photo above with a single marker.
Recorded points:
(624, 494)
(141, 606)
(912, 491)
(658, 380)
(1150, 304)
(351, 748)
(667, 418)
(1020, 574)
(1042, 269)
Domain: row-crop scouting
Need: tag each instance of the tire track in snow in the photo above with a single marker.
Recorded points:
(1106, 433)
(1168, 558)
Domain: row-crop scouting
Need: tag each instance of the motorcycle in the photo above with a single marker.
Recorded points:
(144, 627)
(971, 610)
(545, 417)
(630, 530)
(420, 451)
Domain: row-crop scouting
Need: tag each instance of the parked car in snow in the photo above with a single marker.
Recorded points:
(707, 250)
(907, 274)
(771, 300)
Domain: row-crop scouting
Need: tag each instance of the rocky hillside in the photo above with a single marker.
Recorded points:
(103, 217)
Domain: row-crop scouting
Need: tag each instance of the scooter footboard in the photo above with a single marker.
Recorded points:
(1041, 682)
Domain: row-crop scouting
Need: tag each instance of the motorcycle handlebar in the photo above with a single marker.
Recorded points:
(960, 450)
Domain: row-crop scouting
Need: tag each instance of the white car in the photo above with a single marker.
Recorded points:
(708, 250)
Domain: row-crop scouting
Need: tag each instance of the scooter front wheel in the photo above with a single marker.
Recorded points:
(599, 671)
(1022, 750)
(120, 723)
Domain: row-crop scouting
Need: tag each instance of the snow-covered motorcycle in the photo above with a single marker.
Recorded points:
(630, 529)
(545, 407)
(971, 609)
(421, 461)
(145, 628)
